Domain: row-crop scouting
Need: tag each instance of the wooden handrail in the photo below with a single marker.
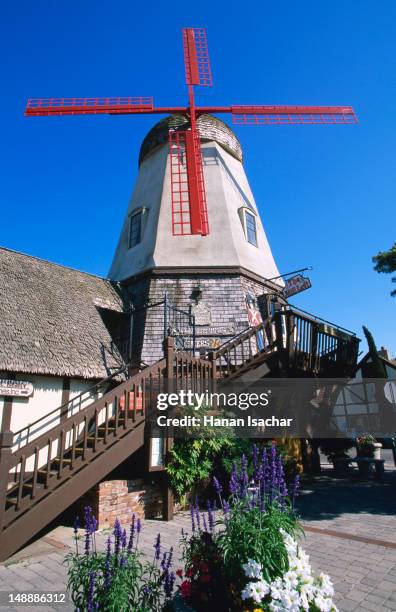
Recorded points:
(89, 411)
(62, 407)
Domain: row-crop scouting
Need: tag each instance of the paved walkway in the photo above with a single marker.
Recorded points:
(350, 534)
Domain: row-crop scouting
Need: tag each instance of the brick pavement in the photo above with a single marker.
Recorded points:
(364, 574)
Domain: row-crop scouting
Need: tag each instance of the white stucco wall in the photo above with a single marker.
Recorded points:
(227, 190)
(47, 396)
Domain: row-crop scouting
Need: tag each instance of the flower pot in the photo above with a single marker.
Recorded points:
(377, 450)
(372, 450)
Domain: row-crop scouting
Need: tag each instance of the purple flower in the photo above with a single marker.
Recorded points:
(244, 478)
(226, 507)
(217, 486)
(131, 534)
(192, 518)
(76, 525)
(210, 517)
(91, 592)
(88, 536)
(157, 547)
(204, 522)
(170, 557)
(169, 582)
(107, 572)
(138, 526)
(167, 560)
(123, 539)
(163, 561)
(117, 532)
(253, 500)
(234, 480)
(295, 488)
(255, 453)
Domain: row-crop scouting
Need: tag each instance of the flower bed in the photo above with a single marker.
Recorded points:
(240, 556)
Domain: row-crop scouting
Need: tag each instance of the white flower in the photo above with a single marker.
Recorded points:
(291, 600)
(252, 569)
(291, 580)
(276, 588)
(296, 590)
(326, 585)
(255, 590)
(324, 603)
(308, 591)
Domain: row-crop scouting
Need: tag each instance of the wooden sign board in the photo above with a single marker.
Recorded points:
(16, 388)
(296, 284)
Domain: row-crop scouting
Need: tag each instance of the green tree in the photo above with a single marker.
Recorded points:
(385, 262)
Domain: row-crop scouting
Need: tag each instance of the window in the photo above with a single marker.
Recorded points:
(135, 229)
(251, 231)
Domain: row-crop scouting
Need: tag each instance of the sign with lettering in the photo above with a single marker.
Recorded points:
(202, 314)
(16, 388)
(296, 284)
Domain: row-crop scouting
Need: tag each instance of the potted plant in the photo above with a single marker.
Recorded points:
(248, 557)
(336, 451)
(368, 447)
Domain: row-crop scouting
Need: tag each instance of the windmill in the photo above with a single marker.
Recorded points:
(187, 176)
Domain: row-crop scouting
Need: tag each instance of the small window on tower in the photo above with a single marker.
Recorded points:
(251, 230)
(135, 229)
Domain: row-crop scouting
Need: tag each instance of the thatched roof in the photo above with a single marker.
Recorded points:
(50, 318)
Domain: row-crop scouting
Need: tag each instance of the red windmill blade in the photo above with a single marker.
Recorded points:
(189, 210)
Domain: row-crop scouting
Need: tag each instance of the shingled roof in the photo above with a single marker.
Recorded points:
(50, 321)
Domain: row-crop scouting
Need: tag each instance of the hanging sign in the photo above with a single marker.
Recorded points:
(16, 388)
(296, 284)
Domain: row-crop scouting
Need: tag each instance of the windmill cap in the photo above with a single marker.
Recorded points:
(210, 128)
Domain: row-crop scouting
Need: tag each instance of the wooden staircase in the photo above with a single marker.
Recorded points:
(291, 343)
(42, 475)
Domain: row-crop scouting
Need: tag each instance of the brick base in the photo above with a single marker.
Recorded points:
(121, 498)
(113, 499)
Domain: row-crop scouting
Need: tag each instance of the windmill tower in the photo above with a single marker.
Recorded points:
(192, 230)
(158, 254)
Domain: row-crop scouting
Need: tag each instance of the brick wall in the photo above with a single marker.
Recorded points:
(113, 499)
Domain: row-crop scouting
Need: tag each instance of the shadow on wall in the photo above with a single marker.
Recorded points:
(212, 157)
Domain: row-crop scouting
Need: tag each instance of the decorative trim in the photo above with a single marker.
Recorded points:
(213, 270)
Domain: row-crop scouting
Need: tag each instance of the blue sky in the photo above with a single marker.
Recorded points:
(326, 193)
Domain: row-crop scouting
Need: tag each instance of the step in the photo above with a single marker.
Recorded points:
(64, 461)
(29, 485)
(42, 474)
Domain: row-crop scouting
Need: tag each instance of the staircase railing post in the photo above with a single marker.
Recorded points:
(290, 344)
(169, 353)
(314, 347)
(280, 347)
(6, 441)
(167, 494)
